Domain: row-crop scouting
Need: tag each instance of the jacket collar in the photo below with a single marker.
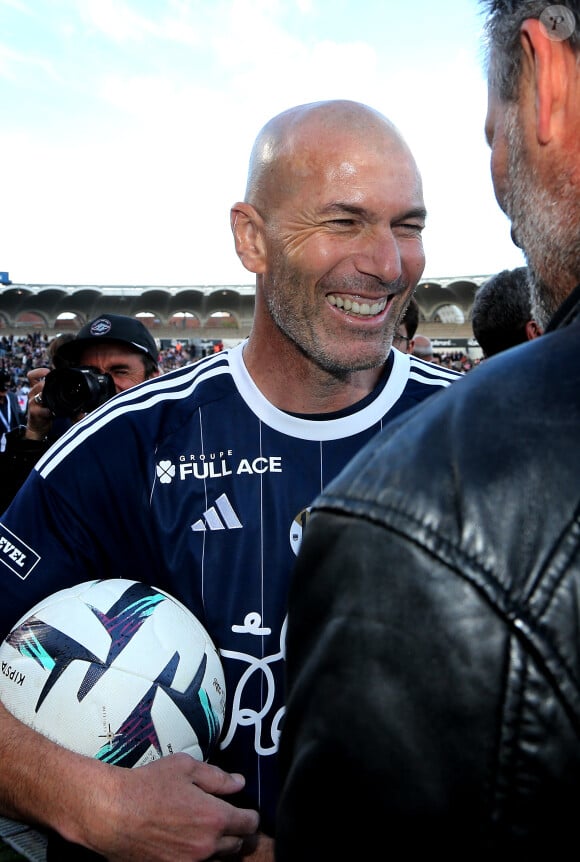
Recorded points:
(567, 312)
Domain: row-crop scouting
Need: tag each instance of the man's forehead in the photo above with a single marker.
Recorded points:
(346, 160)
(396, 180)
(315, 143)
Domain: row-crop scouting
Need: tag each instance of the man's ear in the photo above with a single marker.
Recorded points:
(548, 62)
(533, 330)
(248, 230)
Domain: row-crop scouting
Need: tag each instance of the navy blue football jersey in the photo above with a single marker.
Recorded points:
(195, 483)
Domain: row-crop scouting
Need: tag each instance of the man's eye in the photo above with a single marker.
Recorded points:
(417, 228)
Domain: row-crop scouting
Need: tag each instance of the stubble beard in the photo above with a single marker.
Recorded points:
(287, 301)
(546, 223)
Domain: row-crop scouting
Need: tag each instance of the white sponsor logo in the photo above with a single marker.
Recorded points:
(15, 554)
(218, 469)
(165, 472)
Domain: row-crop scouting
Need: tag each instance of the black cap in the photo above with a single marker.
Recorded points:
(4, 381)
(111, 327)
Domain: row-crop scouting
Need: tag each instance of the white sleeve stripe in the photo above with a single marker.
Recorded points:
(135, 399)
(428, 370)
(432, 381)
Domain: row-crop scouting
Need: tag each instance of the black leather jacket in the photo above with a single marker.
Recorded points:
(433, 647)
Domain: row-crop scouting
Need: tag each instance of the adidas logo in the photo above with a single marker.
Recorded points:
(220, 516)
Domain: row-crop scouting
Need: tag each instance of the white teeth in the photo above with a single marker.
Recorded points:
(361, 308)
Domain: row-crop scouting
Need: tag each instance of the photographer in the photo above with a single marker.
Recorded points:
(109, 354)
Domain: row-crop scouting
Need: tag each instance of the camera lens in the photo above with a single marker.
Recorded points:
(69, 391)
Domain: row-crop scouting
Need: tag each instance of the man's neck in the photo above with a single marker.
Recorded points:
(293, 382)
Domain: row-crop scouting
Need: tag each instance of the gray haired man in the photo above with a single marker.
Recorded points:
(433, 656)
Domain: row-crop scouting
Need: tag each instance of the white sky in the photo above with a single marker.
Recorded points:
(126, 126)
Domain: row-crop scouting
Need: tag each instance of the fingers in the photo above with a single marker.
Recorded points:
(227, 847)
(215, 781)
(39, 417)
(240, 822)
(36, 380)
(184, 819)
(35, 398)
(211, 778)
(37, 375)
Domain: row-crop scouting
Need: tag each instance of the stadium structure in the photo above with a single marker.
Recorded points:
(214, 312)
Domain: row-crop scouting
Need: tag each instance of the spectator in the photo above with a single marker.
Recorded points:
(112, 344)
(200, 481)
(433, 657)
(502, 312)
(10, 414)
(423, 348)
(403, 339)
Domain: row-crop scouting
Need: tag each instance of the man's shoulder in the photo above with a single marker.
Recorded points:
(505, 411)
(432, 373)
(146, 414)
(184, 388)
(420, 379)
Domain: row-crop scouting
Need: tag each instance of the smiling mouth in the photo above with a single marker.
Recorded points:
(364, 309)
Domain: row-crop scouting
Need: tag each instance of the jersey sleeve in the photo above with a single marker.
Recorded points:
(71, 522)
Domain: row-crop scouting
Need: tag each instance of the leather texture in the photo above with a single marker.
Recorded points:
(433, 644)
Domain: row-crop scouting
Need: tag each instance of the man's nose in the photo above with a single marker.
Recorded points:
(380, 256)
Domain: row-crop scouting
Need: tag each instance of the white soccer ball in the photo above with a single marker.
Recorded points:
(117, 670)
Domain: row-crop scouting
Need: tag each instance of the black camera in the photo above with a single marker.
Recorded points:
(69, 391)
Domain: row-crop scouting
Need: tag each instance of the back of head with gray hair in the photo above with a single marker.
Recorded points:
(502, 27)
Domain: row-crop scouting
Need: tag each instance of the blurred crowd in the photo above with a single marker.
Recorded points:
(457, 360)
(19, 354)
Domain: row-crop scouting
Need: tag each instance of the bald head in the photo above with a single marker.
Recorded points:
(423, 347)
(332, 228)
(290, 148)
